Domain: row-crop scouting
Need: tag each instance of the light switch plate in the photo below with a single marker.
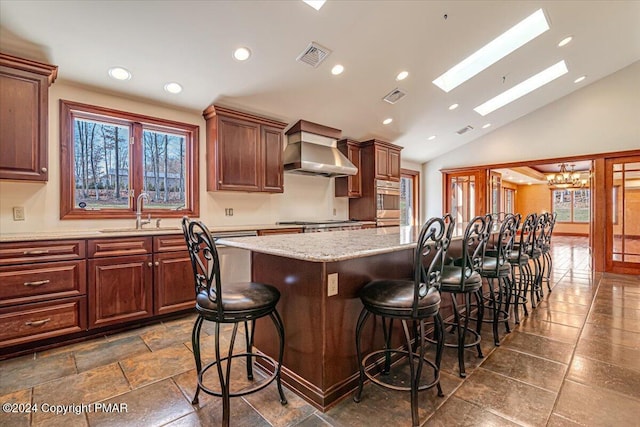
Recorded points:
(332, 284)
(18, 213)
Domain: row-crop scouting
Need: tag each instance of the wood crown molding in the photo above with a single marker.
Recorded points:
(50, 71)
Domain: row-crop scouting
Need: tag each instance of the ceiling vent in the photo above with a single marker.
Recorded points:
(465, 130)
(394, 96)
(314, 54)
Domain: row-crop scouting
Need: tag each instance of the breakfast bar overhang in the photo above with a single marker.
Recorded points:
(318, 276)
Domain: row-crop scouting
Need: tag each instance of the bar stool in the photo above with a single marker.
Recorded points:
(496, 267)
(547, 264)
(232, 303)
(408, 301)
(463, 278)
(535, 254)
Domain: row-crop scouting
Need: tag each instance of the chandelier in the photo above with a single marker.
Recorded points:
(566, 179)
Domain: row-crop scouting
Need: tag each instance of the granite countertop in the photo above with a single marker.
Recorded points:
(330, 246)
(125, 232)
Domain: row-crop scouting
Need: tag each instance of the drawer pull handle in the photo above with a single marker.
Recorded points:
(37, 322)
(37, 252)
(38, 283)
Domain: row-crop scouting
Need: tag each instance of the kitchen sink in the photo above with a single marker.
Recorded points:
(138, 230)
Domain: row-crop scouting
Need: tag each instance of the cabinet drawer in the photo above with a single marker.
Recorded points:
(28, 252)
(35, 282)
(32, 322)
(169, 243)
(119, 246)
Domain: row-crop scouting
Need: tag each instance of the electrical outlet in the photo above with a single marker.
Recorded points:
(334, 211)
(228, 211)
(18, 213)
(332, 284)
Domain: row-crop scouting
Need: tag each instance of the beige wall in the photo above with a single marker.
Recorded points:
(304, 197)
(537, 198)
(601, 117)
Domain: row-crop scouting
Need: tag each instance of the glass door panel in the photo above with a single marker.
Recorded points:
(623, 221)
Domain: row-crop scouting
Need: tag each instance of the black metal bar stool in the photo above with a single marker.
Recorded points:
(496, 267)
(521, 268)
(463, 278)
(408, 301)
(545, 247)
(232, 303)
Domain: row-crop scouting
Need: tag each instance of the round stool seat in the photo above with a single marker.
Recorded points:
(395, 298)
(513, 258)
(452, 277)
(240, 298)
(489, 269)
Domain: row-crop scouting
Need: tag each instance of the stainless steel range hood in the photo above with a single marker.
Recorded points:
(313, 154)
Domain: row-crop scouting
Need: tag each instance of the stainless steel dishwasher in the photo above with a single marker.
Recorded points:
(235, 263)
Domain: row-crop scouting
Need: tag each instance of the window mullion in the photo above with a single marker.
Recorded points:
(136, 168)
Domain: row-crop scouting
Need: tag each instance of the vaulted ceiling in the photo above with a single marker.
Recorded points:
(191, 42)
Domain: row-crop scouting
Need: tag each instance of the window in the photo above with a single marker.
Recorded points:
(572, 205)
(509, 197)
(109, 157)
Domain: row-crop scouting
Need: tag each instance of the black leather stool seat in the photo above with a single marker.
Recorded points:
(489, 268)
(452, 277)
(513, 258)
(238, 299)
(395, 298)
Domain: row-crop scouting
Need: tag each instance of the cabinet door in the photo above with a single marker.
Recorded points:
(355, 181)
(174, 286)
(382, 162)
(238, 155)
(120, 289)
(394, 165)
(23, 133)
(273, 168)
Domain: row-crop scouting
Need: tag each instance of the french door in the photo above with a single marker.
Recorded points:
(622, 175)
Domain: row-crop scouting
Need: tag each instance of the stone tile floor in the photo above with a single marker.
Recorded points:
(574, 361)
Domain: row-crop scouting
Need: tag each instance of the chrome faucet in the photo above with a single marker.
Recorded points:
(139, 221)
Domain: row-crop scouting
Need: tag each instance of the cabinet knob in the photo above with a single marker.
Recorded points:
(150, 264)
(157, 263)
(43, 170)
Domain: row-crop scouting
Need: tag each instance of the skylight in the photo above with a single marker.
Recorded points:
(514, 38)
(316, 4)
(523, 88)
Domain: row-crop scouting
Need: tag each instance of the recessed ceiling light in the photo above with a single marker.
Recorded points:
(402, 75)
(431, 138)
(453, 106)
(337, 69)
(514, 38)
(565, 41)
(528, 183)
(387, 121)
(316, 4)
(579, 79)
(119, 73)
(173, 87)
(242, 53)
(523, 88)
(486, 125)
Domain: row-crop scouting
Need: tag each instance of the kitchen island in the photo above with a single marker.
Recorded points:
(318, 276)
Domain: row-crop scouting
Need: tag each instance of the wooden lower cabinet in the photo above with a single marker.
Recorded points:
(174, 288)
(32, 322)
(120, 289)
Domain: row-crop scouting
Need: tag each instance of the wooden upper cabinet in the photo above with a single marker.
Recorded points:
(24, 101)
(244, 152)
(387, 160)
(350, 186)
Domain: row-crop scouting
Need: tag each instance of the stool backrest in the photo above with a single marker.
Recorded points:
(552, 223)
(204, 260)
(527, 234)
(505, 240)
(539, 233)
(429, 256)
(474, 243)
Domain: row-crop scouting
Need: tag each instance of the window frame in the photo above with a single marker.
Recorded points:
(137, 123)
(571, 205)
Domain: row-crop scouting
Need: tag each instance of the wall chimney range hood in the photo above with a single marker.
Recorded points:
(312, 150)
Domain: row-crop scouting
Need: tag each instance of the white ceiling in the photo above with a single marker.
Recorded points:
(191, 42)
